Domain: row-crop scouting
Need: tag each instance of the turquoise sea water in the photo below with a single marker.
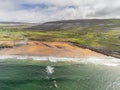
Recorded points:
(32, 75)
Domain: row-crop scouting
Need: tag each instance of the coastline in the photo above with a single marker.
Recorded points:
(57, 52)
(103, 60)
(41, 48)
(106, 52)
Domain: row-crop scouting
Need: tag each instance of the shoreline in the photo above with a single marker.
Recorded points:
(57, 52)
(56, 49)
(53, 58)
(42, 48)
(103, 60)
(115, 54)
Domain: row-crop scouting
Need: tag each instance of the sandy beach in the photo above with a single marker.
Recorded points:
(41, 48)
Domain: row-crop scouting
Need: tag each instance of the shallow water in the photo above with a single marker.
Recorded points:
(33, 75)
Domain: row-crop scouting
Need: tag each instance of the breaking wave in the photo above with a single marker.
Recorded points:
(104, 60)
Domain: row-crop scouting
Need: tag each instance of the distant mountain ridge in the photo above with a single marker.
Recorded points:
(12, 23)
(66, 24)
(1, 22)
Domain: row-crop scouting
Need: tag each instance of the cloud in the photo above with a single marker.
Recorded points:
(52, 10)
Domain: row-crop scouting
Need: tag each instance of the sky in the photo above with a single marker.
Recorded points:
(39, 11)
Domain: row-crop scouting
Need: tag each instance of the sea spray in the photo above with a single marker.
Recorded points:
(114, 85)
(55, 84)
(49, 70)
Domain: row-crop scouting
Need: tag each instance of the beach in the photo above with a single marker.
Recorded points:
(42, 48)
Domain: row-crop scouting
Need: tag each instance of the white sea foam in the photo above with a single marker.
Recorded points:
(114, 85)
(105, 60)
(50, 69)
(55, 84)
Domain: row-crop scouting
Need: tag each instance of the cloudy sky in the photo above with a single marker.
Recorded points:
(52, 10)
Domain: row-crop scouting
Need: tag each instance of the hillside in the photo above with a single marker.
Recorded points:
(101, 35)
(65, 24)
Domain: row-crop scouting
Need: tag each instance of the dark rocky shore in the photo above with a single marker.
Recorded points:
(102, 51)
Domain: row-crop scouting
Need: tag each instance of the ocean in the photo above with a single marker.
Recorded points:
(32, 73)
